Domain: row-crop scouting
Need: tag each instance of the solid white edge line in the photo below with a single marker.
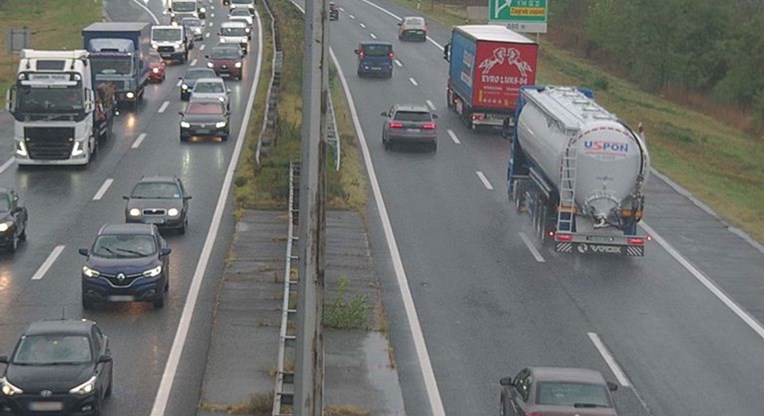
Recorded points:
(40, 273)
(7, 164)
(483, 179)
(451, 134)
(610, 361)
(163, 107)
(193, 62)
(431, 105)
(173, 359)
(363, 25)
(351, 16)
(372, 35)
(413, 82)
(733, 306)
(156, 21)
(138, 141)
(102, 190)
(429, 378)
(534, 252)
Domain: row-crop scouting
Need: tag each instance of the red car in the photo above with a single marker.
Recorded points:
(226, 60)
(156, 68)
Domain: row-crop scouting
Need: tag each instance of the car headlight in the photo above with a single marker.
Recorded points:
(202, 10)
(153, 272)
(221, 99)
(78, 149)
(155, 70)
(210, 65)
(21, 148)
(8, 388)
(5, 226)
(237, 65)
(130, 94)
(154, 45)
(185, 124)
(220, 124)
(87, 271)
(134, 212)
(247, 30)
(184, 87)
(172, 212)
(85, 388)
(177, 45)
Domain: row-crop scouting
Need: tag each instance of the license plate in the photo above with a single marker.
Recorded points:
(46, 406)
(202, 131)
(376, 67)
(155, 220)
(599, 239)
(413, 130)
(121, 298)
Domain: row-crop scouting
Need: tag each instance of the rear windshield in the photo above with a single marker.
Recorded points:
(376, 50)
(204, 108)
(570, 394)
(415, 21)
(411, 116)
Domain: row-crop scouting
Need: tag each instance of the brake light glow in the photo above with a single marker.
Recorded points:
(635, 241)
(477, 116)
(563, 237)
(361, 54)
(429, 126)
(390, 55)
(395, 125)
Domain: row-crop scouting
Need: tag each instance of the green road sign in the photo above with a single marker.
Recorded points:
(530, 15)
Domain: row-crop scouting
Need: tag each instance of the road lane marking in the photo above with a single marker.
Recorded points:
(7, 164)
(733, 306)
(163, 107)
(212, 14)
(341, 9)
(612, 364)
(485, 181)
(363, 25)
(351, 16)
(372, 35)
(437, 45)
(40, 273)
(138, 141)
(207, 35)
(532, 249)
(451, 134)
(426, 368)
(102, 190)
(431, 105)
(202, 47)
(156, 21)
(398, 63)
(173, 359)
(193, 62)
(413, 81)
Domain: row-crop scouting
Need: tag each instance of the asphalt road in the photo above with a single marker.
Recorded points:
(63, 212)
(488, 307)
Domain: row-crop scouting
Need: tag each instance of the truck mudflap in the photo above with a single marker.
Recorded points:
(633, 246)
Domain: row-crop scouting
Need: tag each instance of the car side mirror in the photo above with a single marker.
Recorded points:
(180, 113)
(180, 77)
(125, 197)
(187, 197)
(434, 115)
(384, 114)
(506, 381)
(612, 386)
(207, 56)
(105, 359)
(356, 51)
(165, 251)
(399, 23)
(84, 251)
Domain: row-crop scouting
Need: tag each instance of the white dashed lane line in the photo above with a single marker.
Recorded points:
(612, 364)
(201, 48)
(363, 25)
(163, 107)
(532, 249)
(430, 104)
(485, 181)
(372, 35)
(451, 134)
(398, 63)
(210, 24)
(138, 141)
(413, 82)
(207, 35)
(193, 62)
(351, 16)
(102, 190)
(7, 164)
(40, 273)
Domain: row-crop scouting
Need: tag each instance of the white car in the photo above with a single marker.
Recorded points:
(241, 14)
(235, 32)
(211, 88)
(248, 5)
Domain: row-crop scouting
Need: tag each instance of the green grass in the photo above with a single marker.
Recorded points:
(53, 24)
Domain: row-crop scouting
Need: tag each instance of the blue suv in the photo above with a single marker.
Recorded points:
(127, 262)
(375, 58)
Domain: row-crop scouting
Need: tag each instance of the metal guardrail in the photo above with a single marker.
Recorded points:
(267, 129)
(333, 138)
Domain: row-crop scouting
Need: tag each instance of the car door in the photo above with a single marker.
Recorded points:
(183, 197)
(520, 393)
(103, 370)
(386, 122)
(19, 213)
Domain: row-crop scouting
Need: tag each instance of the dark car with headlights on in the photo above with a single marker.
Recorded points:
(334, 12)
(13, 219)
(226, 59)
(58, 367)
(205, 117)
(413, 124)
(191, 77)
(127, 262)
(195, 27)
(557, 391)
(160, 200)
(157, 67)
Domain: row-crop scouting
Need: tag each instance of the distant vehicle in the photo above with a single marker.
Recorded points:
(557, 391)
(412, 124)
(226, 60)
(488, 65)
(413, 27)
(156, 67)
(226, 2)
(241, 14)
(194, 26)
(248, 4)
(205, 117)
(127, 262)
(160, 200)
(236, 32)
(61, 367)
(375, 58)
(13, 219)
(180, 9)
(334, 12)
(211, 88)
(172, 42)
(190, 78)
(578, 171)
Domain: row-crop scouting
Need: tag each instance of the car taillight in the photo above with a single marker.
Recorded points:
(395, 125)
(635, 241)
(429, 126)
(563, 237)
(477, 116)
(361, 54)
(390, 55)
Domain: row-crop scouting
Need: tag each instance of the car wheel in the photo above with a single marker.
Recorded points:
(23, 235)
(111, 384)
(182, 230)
(434, 147)
(159, 302)
(224, 137)
(386, 145)
(86, 304)
(14, 244)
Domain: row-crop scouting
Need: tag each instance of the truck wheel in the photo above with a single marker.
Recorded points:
(449, 99)
(518, 196)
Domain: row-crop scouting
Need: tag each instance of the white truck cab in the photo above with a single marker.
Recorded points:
(235, 32)
(171, 42)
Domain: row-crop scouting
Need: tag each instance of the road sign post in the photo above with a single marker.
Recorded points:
(528, 16)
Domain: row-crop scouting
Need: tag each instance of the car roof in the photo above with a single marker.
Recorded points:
(205, 100)
(233, 23)
(157, 178)
(419, 18)
(569, 374)
(60, 326)
(215, 80)
(191, 18)
(228, 45)
(412, 107)
(132, 228)
(199, 70)
(375, 42)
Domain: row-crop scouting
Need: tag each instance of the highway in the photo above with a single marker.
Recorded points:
(490, 301)
(68, 205)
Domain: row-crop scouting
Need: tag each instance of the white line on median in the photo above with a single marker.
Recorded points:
(738, 310)
(612, 364)
(138, 141)
(173, 359)
(163, 107)
(431, 105)
(40, 273)
(451, 134)
(398, 63)
(193, 62)
(363, 25)
(102, 190)
(413, 81)
(7, 164)
(156, 21)
(485, 181)
(531, 248)
(372, 35)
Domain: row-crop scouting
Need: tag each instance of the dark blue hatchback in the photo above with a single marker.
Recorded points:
(375, 58)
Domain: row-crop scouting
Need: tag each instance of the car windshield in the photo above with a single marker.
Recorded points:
(197, 108)
(53, 349)
(124, 245)
(411, 116)
(209, 87)
(156, 190)
(376, 50)
(111, 66)
(166, 34)
(5, 202)
(240, 12)
(190, 22)
(184, 6)
(414, 21)
(225, 53)
(233, 31)
(570, 394)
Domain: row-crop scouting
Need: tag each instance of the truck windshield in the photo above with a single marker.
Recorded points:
(184, 6)
(111, 66)
(233, 31)
(241, 1)
(164, 35)
(49, 99)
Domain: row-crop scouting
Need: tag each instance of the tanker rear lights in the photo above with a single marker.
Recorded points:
(429, 126)
(635, 241)
(477, 117)
(395, 125)
(563, 237)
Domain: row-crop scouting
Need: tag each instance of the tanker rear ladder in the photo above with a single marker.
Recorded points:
(567, 202)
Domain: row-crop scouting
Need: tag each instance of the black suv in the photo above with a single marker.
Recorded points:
(13, 219)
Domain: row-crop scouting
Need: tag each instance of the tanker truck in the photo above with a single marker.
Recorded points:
(578, 171)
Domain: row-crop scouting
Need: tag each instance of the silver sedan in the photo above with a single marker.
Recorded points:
(409, 123)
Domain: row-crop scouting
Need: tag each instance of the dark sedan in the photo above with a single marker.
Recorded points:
(226, 59)
(557, 391)
(205, 117)
(191, 77)
(13, 219)
(61, 367)
(127, 262)
(160, 200)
